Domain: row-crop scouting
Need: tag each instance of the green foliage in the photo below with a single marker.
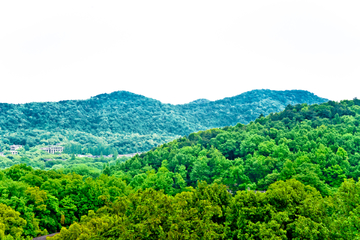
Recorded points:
(47, 200)
(260, 153)
(130, 123)
(11, 224)
(290, 175)
(288, 210)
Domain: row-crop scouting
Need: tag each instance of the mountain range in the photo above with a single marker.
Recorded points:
(130, 123)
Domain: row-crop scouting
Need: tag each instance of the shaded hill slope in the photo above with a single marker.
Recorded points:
(245, 107)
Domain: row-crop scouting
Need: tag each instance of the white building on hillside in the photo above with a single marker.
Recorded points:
(14, 147)
(53, 149)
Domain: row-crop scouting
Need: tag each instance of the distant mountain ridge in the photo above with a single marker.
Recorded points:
(200, 101)
(131, 122)
(248, 106)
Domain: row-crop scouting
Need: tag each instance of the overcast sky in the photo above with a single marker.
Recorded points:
(177, 51)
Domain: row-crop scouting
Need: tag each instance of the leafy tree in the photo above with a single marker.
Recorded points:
(11, 224)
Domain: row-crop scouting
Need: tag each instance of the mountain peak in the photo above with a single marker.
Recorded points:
(200, 101)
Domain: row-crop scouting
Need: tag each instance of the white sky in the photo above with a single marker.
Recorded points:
(177, 51)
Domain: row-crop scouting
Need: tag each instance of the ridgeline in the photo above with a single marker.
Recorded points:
(132, 123)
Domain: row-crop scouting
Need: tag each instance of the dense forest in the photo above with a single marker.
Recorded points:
(130, 123)
(84, 165)
(290, 175)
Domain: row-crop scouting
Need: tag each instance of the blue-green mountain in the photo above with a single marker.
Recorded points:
(129, 122)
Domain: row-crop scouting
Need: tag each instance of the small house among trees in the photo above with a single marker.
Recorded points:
(15, 147)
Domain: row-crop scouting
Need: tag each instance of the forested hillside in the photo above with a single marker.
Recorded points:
(290, 175)
(132, 123)
(317, 144)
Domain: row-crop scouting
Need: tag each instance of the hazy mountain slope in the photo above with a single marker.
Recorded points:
(246, 107)
(131, 122)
